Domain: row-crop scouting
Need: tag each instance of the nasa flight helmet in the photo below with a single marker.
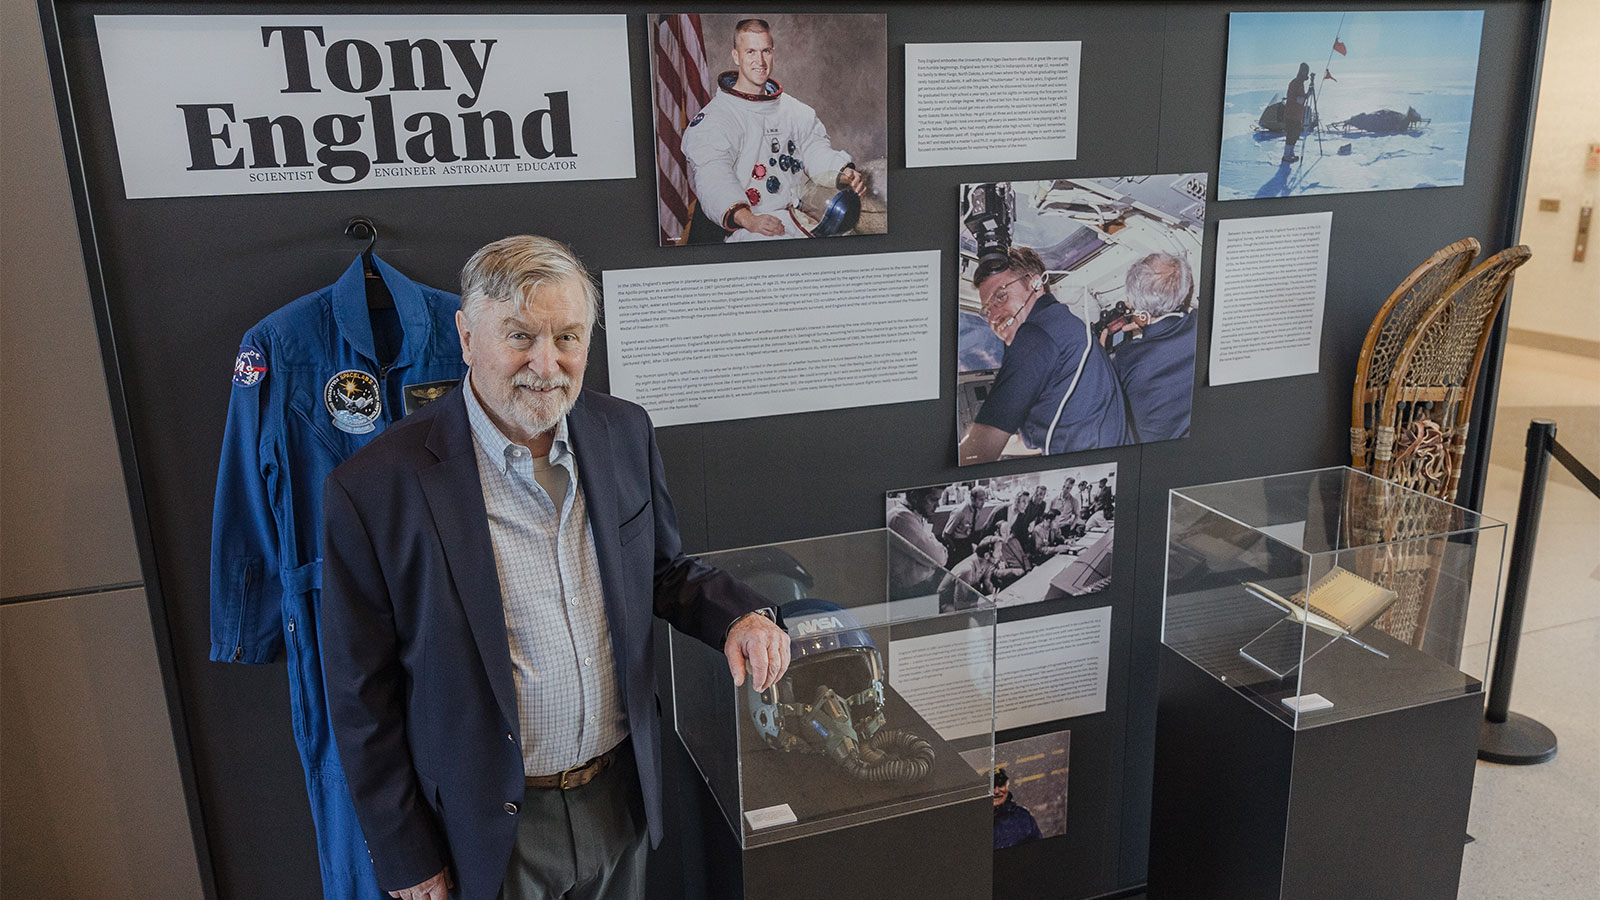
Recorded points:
(831, 700)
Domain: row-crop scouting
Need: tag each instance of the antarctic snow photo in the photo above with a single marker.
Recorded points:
(1387, 101)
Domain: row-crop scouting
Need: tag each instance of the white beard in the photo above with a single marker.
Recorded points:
(539, 413)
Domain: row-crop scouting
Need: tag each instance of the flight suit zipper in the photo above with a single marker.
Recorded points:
(238, 650)
(383, 391)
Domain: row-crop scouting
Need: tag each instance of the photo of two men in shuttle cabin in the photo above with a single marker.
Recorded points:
(1079, 303)
(770, 127)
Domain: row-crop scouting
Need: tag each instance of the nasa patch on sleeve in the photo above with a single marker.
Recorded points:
(699, 117)
(250, 367)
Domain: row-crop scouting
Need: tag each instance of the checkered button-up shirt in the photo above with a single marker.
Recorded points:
(568, 702)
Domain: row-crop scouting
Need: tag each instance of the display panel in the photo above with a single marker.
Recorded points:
(834, 743)
(1163, 95)
(949, 87)
(775, 337)
(1330, 594)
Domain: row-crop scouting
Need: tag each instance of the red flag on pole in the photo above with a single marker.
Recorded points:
(1328, 76)
(1338, 47)
(683, 86)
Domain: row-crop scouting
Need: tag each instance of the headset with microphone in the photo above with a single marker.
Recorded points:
(1034, 285)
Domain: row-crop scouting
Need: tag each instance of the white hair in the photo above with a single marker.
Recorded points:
(1159, 284)
(512, 269)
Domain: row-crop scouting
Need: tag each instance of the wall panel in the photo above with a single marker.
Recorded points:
(92, 792)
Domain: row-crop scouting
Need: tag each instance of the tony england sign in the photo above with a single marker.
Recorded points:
(206, 105)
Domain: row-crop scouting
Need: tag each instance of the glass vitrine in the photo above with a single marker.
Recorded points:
(891, 681)
(1330, 594)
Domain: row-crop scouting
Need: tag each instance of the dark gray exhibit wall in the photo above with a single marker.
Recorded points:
(184, 278)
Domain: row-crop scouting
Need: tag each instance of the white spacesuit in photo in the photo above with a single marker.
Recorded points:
(757, 151)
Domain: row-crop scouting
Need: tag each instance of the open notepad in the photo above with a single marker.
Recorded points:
(1341, 602)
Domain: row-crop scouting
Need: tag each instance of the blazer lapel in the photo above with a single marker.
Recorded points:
(591, 441)
(455, 497)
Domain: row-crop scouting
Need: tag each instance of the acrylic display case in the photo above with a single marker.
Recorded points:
(892, 678)
(1325, 636)
(1330, 594)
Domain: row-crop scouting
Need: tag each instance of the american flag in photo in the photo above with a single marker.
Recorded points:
(683, 86)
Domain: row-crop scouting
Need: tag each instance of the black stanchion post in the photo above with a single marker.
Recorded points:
(1505, 736)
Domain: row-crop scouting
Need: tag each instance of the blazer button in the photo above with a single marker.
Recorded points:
(511, 809)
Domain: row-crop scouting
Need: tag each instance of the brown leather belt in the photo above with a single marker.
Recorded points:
(578, 775)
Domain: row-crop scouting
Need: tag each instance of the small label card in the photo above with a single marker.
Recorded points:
(770, 816)
(1308, 703)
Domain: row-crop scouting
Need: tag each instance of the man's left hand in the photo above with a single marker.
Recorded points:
(757, 646)
(854, 180)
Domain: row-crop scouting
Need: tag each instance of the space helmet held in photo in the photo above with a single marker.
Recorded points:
(841, 215)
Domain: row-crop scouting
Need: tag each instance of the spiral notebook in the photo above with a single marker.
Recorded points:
(1340, 602)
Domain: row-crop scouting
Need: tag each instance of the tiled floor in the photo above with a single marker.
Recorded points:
(1538, 827)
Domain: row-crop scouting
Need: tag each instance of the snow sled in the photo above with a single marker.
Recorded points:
(1271, 121)
(1384, 121)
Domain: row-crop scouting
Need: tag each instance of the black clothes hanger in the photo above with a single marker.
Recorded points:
(378, 296)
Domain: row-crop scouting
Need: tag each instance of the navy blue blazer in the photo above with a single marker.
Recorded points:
(414, 647)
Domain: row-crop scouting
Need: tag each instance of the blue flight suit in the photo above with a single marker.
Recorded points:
(1056, 387)
(309, 390)
(1157, 375)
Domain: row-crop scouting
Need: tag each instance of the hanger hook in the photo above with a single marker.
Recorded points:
(362, 227)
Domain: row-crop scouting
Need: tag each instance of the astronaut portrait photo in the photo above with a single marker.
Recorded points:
(1079, 300)
(770, 127)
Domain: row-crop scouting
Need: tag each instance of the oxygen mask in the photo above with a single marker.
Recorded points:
(831, 701)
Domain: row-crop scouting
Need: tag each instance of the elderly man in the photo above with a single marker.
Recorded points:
(1156, 367)
(489, 569)
(753, 148)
